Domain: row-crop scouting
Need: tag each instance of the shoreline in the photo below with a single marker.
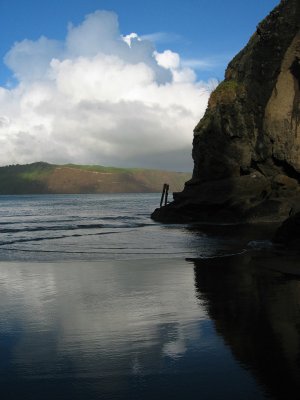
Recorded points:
(284, 262)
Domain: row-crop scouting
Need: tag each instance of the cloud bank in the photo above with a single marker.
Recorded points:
(99, 97)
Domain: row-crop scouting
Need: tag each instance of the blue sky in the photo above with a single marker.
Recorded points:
(74, 87)
(207, 29)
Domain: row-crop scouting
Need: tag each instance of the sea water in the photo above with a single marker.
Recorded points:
(99, 302)
(97, 227)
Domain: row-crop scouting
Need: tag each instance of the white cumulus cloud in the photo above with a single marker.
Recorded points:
(99, 97)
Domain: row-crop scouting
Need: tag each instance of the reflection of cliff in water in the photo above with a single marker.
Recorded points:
(257, 312)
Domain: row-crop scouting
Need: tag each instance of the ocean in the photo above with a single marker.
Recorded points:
(98, 227)
(97, 301)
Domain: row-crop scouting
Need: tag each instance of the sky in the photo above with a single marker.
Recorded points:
(113, 82)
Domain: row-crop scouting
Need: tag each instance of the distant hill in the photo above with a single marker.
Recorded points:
(44, 178)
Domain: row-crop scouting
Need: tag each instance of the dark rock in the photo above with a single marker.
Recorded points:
(288, 234)
(246, 148)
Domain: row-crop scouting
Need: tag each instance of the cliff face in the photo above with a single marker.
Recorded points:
(246, 148)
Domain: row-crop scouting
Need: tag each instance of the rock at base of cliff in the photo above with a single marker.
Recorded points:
(249, 198)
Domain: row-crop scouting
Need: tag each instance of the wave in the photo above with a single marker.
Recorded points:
(49, 228)
(72, 227)
(39, 239)
(105, 251)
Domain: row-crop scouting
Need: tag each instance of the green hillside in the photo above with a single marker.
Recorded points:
(43, 178)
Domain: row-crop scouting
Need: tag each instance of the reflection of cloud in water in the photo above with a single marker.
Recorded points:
(175, 349)
(27, 293)
(111, 330)
(92, 314)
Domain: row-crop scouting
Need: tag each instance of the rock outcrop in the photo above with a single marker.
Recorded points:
(246, 148)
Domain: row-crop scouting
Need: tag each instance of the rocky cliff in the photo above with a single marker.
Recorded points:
(246, 148)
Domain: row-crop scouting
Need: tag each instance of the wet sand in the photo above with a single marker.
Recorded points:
(160, 328)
